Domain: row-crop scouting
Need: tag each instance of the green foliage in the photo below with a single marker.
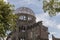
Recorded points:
(52, 7)
(7, 18)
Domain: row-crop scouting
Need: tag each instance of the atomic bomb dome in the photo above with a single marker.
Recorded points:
(27, 28)
(24, 10)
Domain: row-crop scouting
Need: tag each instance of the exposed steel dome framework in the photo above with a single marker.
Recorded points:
(26, 16)
(24, 10)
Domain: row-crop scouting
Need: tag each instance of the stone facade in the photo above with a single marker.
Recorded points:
(27, 27)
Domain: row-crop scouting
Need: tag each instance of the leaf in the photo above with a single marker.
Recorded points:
(7, 18)
(52, 7)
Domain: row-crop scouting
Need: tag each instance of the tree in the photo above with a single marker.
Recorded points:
(7, 18)
(51, 6)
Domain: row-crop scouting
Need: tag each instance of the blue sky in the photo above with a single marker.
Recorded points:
(53, 23)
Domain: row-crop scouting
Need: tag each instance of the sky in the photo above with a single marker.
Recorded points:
(53, 23)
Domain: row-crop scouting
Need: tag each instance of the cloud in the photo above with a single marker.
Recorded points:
(53, 33)
(50, 38)
(58, 14)
(30, 1)
(5, 0)
(27, 2)
(58, 26)
(47, 21)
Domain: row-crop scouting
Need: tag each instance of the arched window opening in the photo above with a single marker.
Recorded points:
(29, 18)
(22, 17)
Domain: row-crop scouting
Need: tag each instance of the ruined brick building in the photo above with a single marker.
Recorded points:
(27, 27)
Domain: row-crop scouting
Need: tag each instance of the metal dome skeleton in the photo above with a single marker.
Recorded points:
(26, 16)
(24, 10)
